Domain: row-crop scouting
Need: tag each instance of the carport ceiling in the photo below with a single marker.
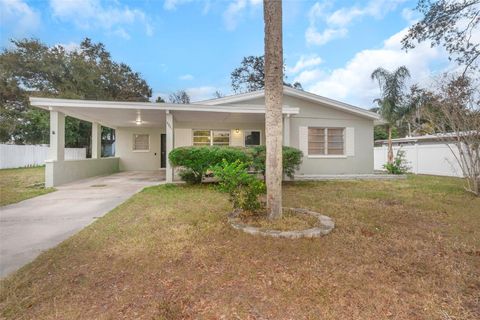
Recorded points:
(115, 118)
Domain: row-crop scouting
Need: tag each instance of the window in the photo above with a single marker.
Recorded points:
(252, 138)
(211, 137)
(141, 142)
(201, 137)
(326, 141)
(221, 138)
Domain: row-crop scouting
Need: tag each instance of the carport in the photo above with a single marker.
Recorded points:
(159, 128)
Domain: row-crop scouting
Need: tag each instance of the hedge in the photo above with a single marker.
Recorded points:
(292, 159)
(195, 161)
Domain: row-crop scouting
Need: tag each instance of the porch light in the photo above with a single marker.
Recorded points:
(138, 122)
(237, 131)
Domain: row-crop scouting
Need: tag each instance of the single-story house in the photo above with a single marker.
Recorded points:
(336, 138)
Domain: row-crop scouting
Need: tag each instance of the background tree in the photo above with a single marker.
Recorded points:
(450, 24)
(181, 96)
(273, 105)
(380, 132)
(217, 94)
(390, 105)
(159, 100)
(250, 76)
(453, 110)
(33, 68)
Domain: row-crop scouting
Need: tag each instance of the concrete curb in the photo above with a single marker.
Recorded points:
(326, 225)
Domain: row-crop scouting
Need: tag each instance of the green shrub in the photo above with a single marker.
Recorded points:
(292, 159)
(243, 188)
(399, 165)
(195, 160)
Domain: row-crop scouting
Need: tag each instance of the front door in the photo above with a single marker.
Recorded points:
(163, 150)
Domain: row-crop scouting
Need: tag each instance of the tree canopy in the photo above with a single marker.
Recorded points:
(250, 76)
(391, 85)
(181, 96)
(391, 106)
(31, 68)
(450, 24)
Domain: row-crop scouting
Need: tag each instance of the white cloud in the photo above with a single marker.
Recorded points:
(88, 14)
(172, 4)
(304, 62)
(235, 12)
(319, 38)
(201, 93)
(352, 83)
(409, 15)
(186, 77)
(308, 76)
(70, 47)
(122, 33)
(18, 17)
(337, 22)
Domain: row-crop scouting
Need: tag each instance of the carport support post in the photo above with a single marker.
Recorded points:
(96, 140)
(169, 146)
(56, 152)
(286, 130)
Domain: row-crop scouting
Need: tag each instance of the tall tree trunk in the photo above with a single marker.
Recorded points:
(390, 146)
(272, 10)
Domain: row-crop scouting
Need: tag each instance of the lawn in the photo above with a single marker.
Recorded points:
(404, 249)
(20, 184)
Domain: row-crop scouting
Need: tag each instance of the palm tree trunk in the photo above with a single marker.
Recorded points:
(273, 104)
(390, 146)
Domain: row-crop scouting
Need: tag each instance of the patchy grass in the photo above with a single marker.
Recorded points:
(405, 249)
(20, 184)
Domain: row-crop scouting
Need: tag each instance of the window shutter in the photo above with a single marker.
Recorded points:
(303, 140)
(350, 141)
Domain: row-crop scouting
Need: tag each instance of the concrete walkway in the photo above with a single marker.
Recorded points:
(29, 227)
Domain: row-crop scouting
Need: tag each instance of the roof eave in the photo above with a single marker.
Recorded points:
(51, 103)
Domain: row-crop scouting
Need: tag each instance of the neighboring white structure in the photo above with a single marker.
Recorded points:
(18, 156)
(424, 154)
(336, 138)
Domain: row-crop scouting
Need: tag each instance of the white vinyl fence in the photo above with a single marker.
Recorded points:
(17, 156)
(424, 158)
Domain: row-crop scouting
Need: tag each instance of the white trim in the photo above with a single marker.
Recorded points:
(48, 103)
(331, 156)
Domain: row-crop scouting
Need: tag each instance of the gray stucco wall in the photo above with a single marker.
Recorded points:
(138, 160)
(311, 114)
(314, 114)
(61, 172)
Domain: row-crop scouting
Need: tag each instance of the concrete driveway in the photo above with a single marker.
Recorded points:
(29, 227)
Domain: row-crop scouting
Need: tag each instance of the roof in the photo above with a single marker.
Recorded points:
(47, 103)
(304, 95)
(114, 114)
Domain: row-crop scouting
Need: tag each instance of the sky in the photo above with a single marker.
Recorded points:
(331, 47)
